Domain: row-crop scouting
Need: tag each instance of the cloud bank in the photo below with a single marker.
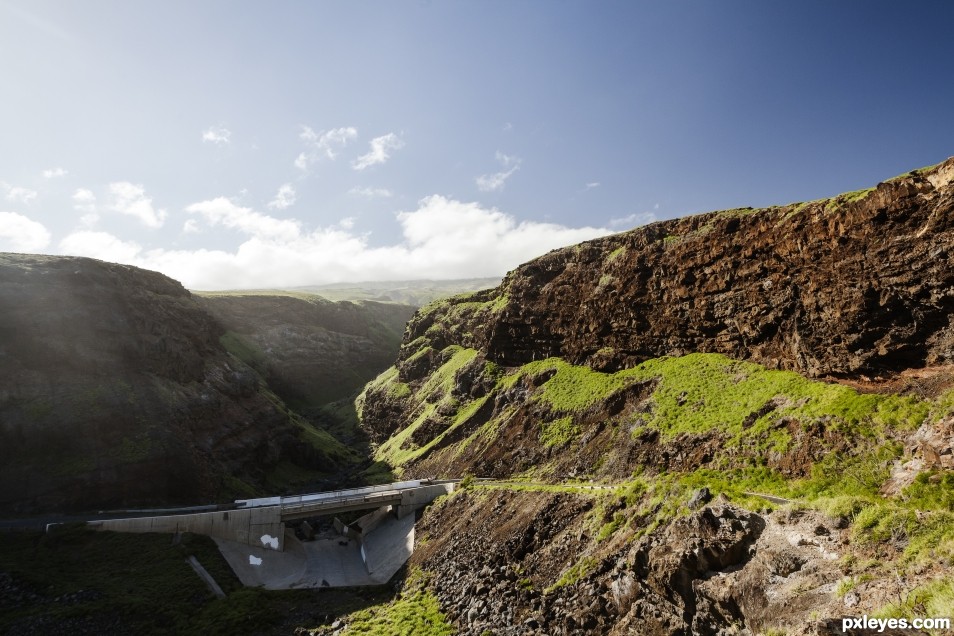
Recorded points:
(442, 238)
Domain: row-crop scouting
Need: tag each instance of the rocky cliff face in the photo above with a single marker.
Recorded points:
(804, 353)
(115, 390)
(860, 284)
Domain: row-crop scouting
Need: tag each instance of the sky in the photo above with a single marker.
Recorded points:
(234, 144)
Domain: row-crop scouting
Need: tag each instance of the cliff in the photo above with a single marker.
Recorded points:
(859, 284)
(795, 363)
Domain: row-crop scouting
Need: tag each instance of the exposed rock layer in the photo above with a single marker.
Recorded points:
(860, 284)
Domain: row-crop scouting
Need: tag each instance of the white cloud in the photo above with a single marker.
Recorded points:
(495, 182)
(284, 198)
(85, 201)
(591, 185)
(323, 145)
(191, 226)
(21, 234)
(129, 198)
(221, 211)
(218, 135)
(52, 173)
(442, 238)
(18, 194)
(371, 193)
(634, 220)
(380, 152)
(101, 245)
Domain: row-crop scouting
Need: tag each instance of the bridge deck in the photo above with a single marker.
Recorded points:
(305, 509)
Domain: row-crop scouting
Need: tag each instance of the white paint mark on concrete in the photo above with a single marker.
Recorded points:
(254, 560)
(269, 540)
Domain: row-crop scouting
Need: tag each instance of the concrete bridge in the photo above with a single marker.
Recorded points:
(262, 521)
(251, 534)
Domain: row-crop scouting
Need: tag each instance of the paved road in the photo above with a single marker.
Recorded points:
(41, 522)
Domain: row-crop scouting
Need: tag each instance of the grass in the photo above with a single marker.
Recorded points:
(413, 613)
(467, 308)
(615, 254)
(141, 580)
(738, 212)
(574, 573)
(701, 392)
(399, 448)
(913, 173)
(559, 432)
(609, 528)
(931, 599)
(756, 414)
(571, 388)
(528, 486)
(245, 350)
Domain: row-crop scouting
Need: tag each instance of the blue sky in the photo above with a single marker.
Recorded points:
(250, 144)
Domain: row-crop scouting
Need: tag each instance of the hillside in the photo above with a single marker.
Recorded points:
(310, 350)
(747, 358)
(117, 391)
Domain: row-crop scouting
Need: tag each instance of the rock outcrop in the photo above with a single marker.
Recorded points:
(860, 284)
(528, 563)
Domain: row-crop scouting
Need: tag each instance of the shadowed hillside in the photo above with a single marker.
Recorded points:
(310, 350)
(116, 390)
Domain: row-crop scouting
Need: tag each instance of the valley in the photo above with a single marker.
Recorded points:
(739, 422)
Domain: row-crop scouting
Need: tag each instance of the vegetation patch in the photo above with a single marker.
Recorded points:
(703, 391)
(414, 612)
(574, 573)
(932, 599)
(140, 581)
(615, 254)
(559, 432)
(571, 388)
(245, 350)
